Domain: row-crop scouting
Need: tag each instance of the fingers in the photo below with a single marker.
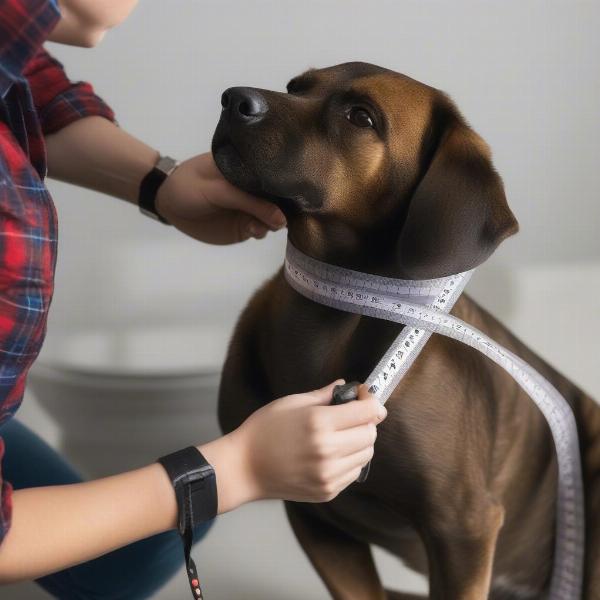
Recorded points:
(227, 196)
(262, 211)
(257, 229)
(312, 401)
(249, 227)
(356, 439)
(349, 478)
(323, 395)
(363, 392)
(343, 416)
(349, 464)
(356, 412)
(337, 486)
(339, 475)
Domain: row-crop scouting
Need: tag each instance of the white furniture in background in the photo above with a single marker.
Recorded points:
(122, 398)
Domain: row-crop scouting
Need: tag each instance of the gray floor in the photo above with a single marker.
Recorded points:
(252, 554)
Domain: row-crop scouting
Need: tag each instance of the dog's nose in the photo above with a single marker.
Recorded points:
(244, 104)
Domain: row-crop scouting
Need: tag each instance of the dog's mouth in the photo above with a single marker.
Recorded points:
(230, 161)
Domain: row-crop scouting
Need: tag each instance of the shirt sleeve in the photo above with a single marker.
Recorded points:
(58, 100)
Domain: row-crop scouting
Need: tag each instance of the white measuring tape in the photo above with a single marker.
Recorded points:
(423, 305)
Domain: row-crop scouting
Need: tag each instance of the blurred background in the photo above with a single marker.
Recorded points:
(142, 315)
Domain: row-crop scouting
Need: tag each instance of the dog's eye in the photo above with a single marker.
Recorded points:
(360, 117)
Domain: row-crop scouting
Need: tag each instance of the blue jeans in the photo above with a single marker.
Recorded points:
(134, 572)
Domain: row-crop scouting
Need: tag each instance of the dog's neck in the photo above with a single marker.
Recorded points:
(332, 241)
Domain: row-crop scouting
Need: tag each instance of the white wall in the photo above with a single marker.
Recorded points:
(524, 73)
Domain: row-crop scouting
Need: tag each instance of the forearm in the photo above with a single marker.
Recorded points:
(59, 526)
(295, 448)
(96, 154)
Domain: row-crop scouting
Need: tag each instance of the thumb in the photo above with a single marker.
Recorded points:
(264, 211)
(318, 397)
(323, 395)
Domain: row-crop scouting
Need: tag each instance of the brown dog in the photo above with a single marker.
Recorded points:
(380, 173)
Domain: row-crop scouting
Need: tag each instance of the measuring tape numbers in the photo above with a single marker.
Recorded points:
(423, 306)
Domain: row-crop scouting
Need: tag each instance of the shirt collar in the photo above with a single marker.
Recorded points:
(24, 27)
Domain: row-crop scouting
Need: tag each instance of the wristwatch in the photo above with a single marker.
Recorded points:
(165, 165)
(195, 485)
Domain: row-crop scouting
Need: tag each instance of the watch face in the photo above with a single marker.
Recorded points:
(166, 164)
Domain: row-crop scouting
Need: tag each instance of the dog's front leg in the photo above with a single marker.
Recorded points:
(460, 548)
(345, 564)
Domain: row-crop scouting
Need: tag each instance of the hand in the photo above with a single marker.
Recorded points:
(199, 201)
(296, 448)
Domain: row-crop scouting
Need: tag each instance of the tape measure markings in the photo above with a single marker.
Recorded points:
(423, 306)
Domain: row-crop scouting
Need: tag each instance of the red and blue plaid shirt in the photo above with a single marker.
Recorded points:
(36, 99)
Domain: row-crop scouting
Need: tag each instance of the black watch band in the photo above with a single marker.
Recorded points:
(150, 184)
(195, 485)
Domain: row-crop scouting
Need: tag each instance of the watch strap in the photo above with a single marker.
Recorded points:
(194, 482)
(150, 184)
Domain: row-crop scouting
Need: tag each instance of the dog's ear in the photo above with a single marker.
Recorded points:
(458, 213)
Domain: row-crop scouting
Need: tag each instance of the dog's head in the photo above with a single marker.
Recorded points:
(369, 163)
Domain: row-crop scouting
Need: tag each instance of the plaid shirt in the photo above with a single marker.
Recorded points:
(36, 99)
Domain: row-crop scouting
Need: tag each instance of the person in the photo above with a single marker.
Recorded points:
(115, 537)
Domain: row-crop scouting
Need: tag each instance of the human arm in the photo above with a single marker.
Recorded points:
(293, 448)
(85, 147)
(94, 153)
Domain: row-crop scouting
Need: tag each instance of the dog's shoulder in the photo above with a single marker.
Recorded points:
(267, 297)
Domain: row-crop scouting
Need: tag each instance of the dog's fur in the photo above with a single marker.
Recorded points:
(463, 481)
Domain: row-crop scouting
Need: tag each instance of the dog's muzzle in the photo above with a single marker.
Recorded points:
(244, 105)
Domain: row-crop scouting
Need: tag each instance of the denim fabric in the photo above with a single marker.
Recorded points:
(134, 572)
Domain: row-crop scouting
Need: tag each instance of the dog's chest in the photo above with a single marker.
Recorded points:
(310, 345)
